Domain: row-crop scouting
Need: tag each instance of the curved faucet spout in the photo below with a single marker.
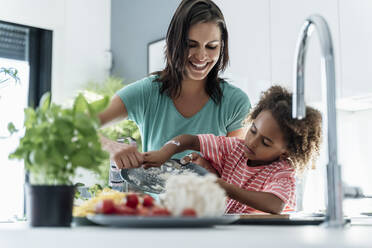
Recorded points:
(334, 184)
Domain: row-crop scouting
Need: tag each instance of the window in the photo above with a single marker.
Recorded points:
(29, 51)
(11, 172)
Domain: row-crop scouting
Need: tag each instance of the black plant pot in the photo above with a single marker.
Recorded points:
(49, 205)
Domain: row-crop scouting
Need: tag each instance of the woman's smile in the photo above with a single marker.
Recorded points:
(199, 67)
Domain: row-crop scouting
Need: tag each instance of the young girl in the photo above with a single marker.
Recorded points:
(257, 173)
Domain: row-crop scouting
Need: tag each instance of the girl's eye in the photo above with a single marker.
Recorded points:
(253, 131)
(263, 142)
(192, 45)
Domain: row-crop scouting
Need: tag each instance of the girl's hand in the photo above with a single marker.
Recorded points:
(199, 160)
(155, 158)
(222, 183)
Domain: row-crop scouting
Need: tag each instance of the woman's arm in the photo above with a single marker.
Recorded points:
(125, 156)
(239, 133)
(115, 111)
(263, 201)
(176, 145)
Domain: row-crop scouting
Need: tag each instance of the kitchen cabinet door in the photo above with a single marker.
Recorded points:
(249, 44)
(356, 47)
(286, 19)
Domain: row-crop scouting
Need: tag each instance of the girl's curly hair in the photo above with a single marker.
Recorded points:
(303, 136)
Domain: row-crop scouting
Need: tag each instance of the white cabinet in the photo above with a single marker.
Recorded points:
(249, 44)
(356, 46)
(286, 19)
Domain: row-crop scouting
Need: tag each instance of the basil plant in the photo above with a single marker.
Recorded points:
(59, 140)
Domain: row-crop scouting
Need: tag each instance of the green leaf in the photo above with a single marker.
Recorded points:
(80, 159)
(11, 128)
(83, 124)
(98, 106)
(30, 117)
(44, 102)
(80, 104)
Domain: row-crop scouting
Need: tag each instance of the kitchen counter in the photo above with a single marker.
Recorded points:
(20, 235)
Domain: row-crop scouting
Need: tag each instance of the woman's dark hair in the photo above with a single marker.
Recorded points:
(303, 137)
(188, 13)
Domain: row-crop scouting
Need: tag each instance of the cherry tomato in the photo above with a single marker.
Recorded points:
(148, 201)
(132, 201)
(106, 206)
(189, 212)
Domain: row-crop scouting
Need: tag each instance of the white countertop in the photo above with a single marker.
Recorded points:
(20, 235)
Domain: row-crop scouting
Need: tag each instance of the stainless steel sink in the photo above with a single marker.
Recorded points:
(283, 219)
(362, 220)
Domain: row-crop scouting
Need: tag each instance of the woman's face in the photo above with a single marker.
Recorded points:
(264, 140)
(204, 43)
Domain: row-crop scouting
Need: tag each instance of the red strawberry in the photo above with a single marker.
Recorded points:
(148, 201)
(122, 209)
(189, 212)
(106, 206)
(132, 201)
(160, 212)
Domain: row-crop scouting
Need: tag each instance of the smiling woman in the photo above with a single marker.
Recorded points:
(187, 96)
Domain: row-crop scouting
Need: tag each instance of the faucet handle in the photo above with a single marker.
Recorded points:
(353, 192)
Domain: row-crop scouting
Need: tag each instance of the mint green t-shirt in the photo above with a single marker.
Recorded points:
(159, 121)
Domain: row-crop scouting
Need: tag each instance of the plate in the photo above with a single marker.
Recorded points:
(159, 221)
(152, 180)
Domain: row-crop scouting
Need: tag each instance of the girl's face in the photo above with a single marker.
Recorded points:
(204, 43)
(264, 140)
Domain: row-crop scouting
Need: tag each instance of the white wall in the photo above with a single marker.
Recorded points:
(81, 37)
(248, 23)
(135, 24)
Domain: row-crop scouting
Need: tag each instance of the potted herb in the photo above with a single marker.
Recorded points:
(56, 142)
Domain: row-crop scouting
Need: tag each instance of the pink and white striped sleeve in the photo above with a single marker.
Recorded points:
(282, 184)
(210, 148)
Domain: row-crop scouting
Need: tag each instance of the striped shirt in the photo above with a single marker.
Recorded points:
(226, 155)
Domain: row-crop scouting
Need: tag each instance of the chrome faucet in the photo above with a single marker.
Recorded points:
(334, 214)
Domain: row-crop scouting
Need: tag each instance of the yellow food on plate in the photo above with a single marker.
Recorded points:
(88, 207)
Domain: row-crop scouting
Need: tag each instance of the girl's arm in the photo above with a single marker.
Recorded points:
(263, 201)
(176, 145)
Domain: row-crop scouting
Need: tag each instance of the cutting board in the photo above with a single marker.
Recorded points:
(264, 216)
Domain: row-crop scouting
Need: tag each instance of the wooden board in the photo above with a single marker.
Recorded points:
(264, 216)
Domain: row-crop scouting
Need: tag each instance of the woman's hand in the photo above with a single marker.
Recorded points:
(125, 156)
(155, 158)
(199, 160)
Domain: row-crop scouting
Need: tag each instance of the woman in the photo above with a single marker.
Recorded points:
(187, 96)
